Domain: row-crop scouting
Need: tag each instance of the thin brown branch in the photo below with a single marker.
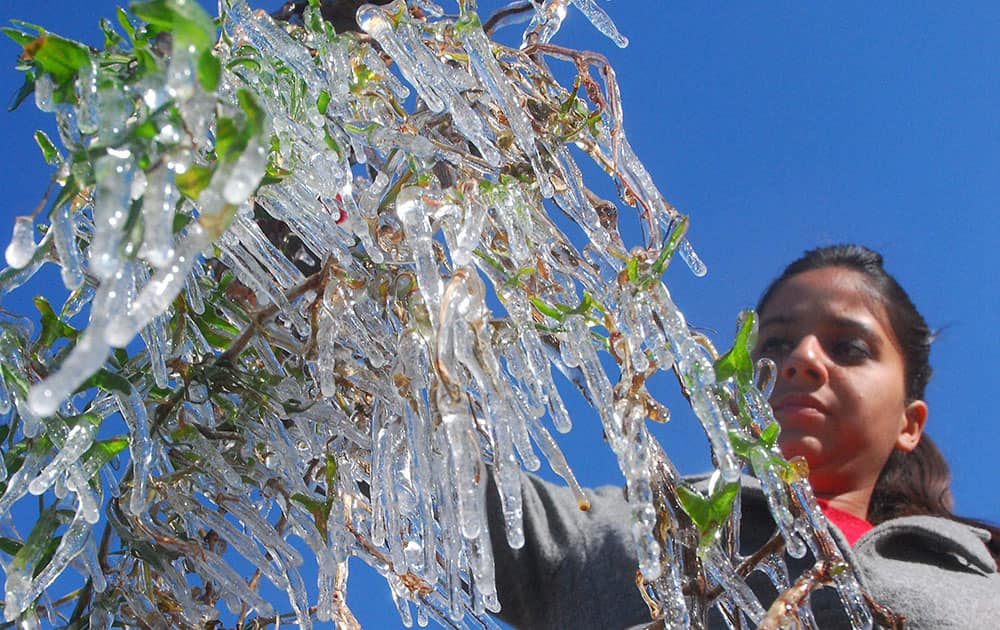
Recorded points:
(884, 616)
(506, 12)
(774, 545)
(239, 344)
(788, 602)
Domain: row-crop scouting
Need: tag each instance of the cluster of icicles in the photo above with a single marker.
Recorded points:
(410, 382)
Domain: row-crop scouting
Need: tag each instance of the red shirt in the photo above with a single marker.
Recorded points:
(852, 526)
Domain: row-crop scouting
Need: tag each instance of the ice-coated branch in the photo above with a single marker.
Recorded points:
(319, 288)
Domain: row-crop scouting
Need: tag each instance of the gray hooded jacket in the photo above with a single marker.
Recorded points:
(577, 569)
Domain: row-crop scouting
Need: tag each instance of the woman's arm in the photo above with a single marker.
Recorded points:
(576, 569)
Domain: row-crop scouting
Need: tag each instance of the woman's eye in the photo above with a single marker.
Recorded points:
(852, 350)
(774, 347)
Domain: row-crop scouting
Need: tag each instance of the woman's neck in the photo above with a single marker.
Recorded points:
(853, 502)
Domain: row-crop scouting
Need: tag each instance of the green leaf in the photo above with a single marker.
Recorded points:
(68, 191)
(145, 62)
(111, 36)
(467, 21)
(250, 63)
(194, 180)
(583, 308)
(121, 355)
(708, 513)
(632, 269)
(27, 26)
(331, 473)
(53, 328)
(107, 380)
(26, 89)
(125, 23)
(323, 101)
(212, 319)
(216, 339)
(332, 144)
(362, 75)
(209, 70)
(741, 445)
(60, 58)
(48, 550)
(181, 221)
(104, 450)
(146, 130)
(34, 548)
(227, 139)
(320, 510)
(769, 436)
(10, 546)
(15, 380)
(49, 150)
(721, 503)
(695, 505)
(737, 361)
(547, 309)
(670, 245)
(189, 24)
(256, 116)
(18, 36)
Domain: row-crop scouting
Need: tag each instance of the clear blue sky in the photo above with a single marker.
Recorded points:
(777, 126)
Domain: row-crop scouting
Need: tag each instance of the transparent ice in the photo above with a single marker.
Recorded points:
(323, 299)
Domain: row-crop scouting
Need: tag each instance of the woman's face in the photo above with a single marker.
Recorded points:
(840, 392)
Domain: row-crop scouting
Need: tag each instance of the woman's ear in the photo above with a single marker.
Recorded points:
(914, 419)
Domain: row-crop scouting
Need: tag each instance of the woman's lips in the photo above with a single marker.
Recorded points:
(799, 407)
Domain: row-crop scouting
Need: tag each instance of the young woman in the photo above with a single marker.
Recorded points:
(852, 357)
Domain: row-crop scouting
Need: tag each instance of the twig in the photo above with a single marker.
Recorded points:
(789, 601)
(240, 343)
(884, 616)
(774, 545)
(507, 11)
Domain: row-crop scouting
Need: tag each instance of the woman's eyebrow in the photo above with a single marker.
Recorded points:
(775, 319)
(856, 325)
(840, 322)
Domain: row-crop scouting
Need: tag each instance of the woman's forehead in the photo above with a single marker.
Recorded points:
(833, 293)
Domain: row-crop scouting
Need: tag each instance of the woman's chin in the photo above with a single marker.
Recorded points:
(800, 446)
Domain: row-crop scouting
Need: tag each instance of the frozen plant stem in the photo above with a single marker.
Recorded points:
(329, 285)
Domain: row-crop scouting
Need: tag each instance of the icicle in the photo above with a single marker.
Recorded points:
(86, 89)
(134, 412)
(722, 571)
(64, 239)
(17, 485)
(240, 180)
(22, 590)
(458, 428)
(44, 89)
(230, 582)
(777, 500)
(601, 21)
(80, 438)
(158, 217)
(112, 198)
(192, 289)
(87, 356)
(157, 296)
(499, 85)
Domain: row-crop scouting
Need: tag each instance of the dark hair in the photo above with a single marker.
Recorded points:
(918, 481)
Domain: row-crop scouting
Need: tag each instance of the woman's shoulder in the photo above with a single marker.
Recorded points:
(935, 538)
(933, 570)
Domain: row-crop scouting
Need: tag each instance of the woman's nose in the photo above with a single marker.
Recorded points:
(805, 361)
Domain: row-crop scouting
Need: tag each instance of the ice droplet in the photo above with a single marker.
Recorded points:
(22, 243)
